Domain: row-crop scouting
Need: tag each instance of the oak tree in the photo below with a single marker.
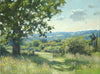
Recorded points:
(19, 18)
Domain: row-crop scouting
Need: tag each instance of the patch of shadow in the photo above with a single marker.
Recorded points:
(37, 59)
(75, 64)
(72, 61)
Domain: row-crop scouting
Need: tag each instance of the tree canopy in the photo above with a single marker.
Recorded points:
(18, 18)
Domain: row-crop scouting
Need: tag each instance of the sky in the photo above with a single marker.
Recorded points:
(77, 15)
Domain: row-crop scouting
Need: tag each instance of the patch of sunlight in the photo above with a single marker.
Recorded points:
(59, 59)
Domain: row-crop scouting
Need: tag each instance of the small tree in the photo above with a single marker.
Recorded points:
(77, 45)
(36, 43)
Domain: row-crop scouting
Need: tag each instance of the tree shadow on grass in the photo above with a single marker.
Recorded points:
(40, 60)
(69, 64)
(75, 61)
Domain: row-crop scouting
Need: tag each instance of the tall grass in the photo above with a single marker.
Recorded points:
(45, 63)
(11, 65)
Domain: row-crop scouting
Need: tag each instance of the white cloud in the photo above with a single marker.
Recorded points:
(78, 15)
(67, 25)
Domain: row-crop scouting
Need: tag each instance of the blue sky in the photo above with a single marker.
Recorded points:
(77, 15)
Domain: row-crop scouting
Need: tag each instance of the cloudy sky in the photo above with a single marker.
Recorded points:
(77, 15)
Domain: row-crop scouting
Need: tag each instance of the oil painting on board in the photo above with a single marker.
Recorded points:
(49, 36)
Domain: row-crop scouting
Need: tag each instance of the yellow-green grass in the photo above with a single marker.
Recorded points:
(11, 65)
(98, 44)
(45, 63)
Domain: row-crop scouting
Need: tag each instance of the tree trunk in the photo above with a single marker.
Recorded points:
(16, 46)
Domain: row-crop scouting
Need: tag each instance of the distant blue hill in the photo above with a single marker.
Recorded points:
(64, 35)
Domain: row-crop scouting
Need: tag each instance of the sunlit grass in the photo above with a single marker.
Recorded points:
(11, 65)
(45, 63)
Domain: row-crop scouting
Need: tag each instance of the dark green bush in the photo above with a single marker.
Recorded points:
(41, 46)
(3, 50)
(77, 45)
(36, 43)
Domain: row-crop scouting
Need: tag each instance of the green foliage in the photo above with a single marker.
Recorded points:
(44, 40)
(58, 40)
(53, 49)
(18, 18)
(41, 46)
(3, 50)
(48, 49)
(57, 49)
(8, 47)
(36, 43)
(23, 17)
(98, 44)
(26, 45)
(77, 45)
(35, 49)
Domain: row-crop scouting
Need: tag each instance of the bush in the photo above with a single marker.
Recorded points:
(36, 43)
(57, 40)
(41, 46)
(77, 45)
(3, 50)
(26, 46)
(9, 47)
(57, 49)
(48, 49)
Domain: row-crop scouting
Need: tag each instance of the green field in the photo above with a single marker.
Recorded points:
(45, 63)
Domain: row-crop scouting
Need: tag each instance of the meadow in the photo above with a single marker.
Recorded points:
(45, 63)
(49, 59)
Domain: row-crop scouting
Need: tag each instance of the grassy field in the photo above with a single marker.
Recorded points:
(45, 63)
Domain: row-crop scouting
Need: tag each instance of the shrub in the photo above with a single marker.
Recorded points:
(77, 45)
(41, 46)
(9, 47)
(57, 40)
(48, 49)
(36, 43)
(3, 50)
(57, 49)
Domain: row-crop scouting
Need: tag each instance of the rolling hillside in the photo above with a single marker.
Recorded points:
(64, 35)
